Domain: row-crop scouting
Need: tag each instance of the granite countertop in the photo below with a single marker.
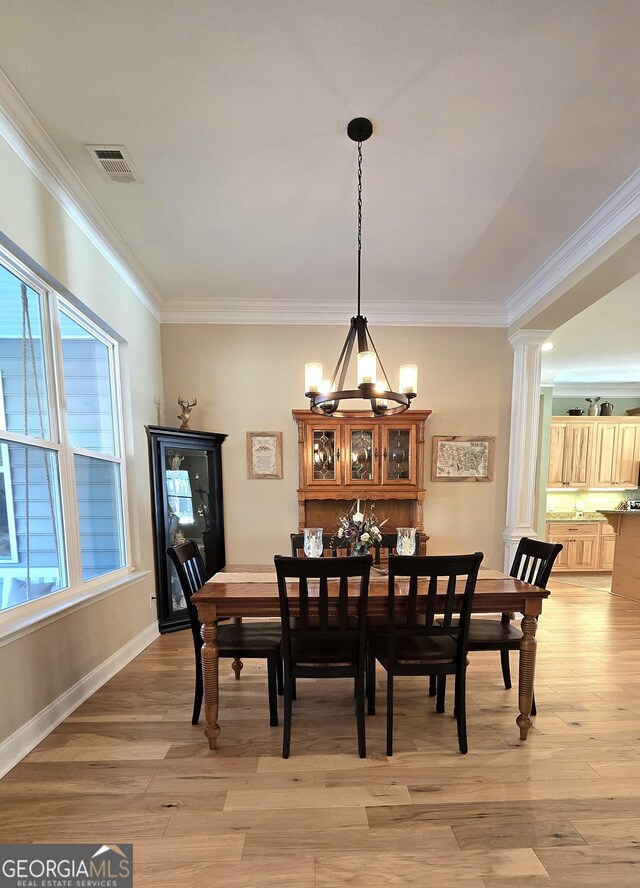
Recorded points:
(619, 512)
(571, 516)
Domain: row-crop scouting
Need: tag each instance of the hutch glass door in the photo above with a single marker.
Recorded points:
(399, 449)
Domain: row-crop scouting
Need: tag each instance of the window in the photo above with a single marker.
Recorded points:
(61, 466)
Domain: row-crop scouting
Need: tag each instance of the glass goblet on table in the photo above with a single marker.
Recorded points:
(312, 543)
(406, 541)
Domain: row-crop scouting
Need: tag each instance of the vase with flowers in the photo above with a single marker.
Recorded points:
(360, 530)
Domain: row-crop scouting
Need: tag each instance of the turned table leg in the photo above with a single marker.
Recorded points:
(209, 653)
(528, 647)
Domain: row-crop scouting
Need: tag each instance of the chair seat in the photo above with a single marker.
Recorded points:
(416, 649)
(248, 639)
(490, 634)
(493, 633)
(324, 649)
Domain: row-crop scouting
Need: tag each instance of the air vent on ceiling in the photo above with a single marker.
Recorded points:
(114, 160)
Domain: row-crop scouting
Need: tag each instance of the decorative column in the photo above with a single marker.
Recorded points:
(523, 442)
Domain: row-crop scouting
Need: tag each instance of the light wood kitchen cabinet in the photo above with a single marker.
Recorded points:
(571, 453)
(588, 545)
(606, 551)
(598, 452)
(350, 458)
(617, 454)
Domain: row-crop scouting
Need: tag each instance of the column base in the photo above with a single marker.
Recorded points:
(511, 537)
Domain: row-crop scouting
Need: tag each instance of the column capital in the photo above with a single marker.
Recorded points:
(529, 337)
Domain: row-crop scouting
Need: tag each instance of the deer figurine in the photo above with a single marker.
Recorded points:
(187, 407)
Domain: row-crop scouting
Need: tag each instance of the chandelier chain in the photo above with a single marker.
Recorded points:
(359, 216)
(326, 395)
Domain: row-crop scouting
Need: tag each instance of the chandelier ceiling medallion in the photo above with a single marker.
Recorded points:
(325, 395)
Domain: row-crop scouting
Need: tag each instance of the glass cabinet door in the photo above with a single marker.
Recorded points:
(399, 458)
(187, 513)
(324, 462)
(362, 455)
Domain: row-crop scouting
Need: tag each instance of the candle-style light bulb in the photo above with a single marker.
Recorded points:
(409, 379)
(367, 368)
(312, 377)
(381, 402)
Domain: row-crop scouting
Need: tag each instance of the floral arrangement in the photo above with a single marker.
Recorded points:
(359, 530)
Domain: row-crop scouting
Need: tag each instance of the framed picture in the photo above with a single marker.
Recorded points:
(264, 455)
(460, 458)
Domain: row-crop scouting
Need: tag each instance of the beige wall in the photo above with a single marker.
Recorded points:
(248, 378)
(47, 662)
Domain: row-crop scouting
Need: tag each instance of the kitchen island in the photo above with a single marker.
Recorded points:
(626, 557)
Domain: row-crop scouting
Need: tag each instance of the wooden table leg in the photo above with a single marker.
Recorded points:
(527, 670)
(209, 653)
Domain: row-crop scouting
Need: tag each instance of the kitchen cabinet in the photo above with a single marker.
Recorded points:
(587, 545)
(350, 458)
(617, 454)
(606, 551)
(594, 453)
(571, 453)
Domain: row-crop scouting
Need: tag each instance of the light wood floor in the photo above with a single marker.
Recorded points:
(563, 809)
(601, 581)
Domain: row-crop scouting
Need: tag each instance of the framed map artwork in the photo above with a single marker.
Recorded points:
(458, 458)
(264, 455)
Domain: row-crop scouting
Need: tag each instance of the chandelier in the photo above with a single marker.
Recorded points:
(325, 394)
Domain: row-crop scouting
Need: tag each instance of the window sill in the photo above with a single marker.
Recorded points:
(25, 618)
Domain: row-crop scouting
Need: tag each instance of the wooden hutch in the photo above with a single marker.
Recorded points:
(355, 457)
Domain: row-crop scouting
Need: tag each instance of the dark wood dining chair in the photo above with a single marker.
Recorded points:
(245, 640)
(532, 563)
(320, 639)
(414, 642)
(330, 548)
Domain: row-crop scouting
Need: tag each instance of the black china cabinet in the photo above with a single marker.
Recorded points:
(186, 495)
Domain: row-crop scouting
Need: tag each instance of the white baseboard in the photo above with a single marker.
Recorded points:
(22, 741)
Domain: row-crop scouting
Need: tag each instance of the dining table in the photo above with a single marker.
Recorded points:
(239, 591)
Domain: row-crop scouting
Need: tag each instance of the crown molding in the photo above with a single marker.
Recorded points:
(26, 136)
(331, 313)
(617, 211)
(587, 389)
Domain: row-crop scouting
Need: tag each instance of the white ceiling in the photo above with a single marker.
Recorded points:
(601, 344)
(499, 128)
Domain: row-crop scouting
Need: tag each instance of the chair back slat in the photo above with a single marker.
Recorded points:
(323, 604)
(449, 606)
(534, 560)
(412, 603)
(315, 611)
(528, 568)
(430, 606)
(304, 603)
(343, 604)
